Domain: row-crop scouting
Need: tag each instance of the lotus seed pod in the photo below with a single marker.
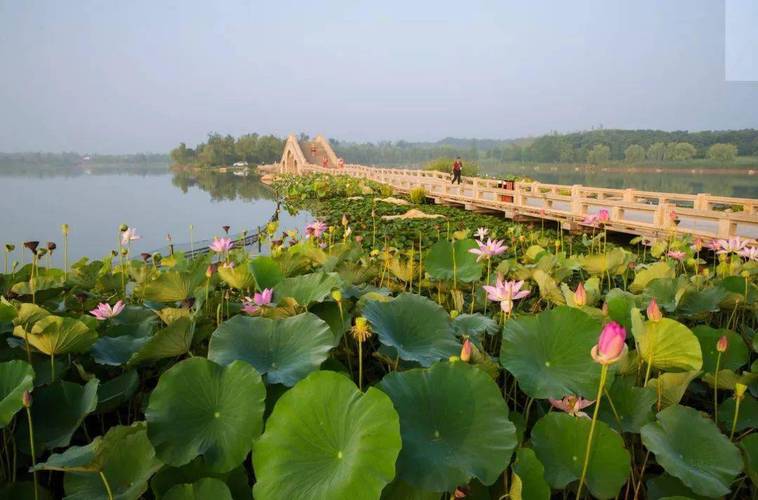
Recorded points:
(123, 227)
(337, 295)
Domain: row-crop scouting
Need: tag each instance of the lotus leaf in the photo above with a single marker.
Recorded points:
(203, 489)
(326, 439)
(55, 335)
(528, 477)
(174, 340)
(668, 344)
(15, 378)
(735, 356)
(172, 286)
(447, 261)
(454, 425)
(308, 288)
(266, 271)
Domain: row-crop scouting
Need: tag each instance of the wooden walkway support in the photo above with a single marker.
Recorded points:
(643, 213)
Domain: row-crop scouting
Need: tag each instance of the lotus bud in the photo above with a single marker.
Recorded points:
(26, 399)
(739, 390)
(344, 220)
(9, 247)
(723, 344)
(580, 296)
(611, 344)
(358, 239)
(337, 295)
(226, 229)
(65, 229)
(653, 312)
(466, 351)
(123, 227)
(697, 245)
(32, 245)
(211, 270)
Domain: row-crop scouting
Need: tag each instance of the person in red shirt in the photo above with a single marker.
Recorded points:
(325, 162)
(457, 168)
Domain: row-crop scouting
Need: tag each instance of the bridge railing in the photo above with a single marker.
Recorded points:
(630, 210)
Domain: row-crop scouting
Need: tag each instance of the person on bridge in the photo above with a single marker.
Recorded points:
(325, 162)
(457, 168)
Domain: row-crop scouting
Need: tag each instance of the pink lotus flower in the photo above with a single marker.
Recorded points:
(315, 229)
(750, 253)
(676, 255)
(489, 249)
(221, 245)
(653, 311)
(603, 215)
(104, 310)
(713, 245)
(129, 235)
(697, 245)
(590, 220)
(611, 344)
(580, 296)
(259, 299)
(481, 233)
(505, 292)
(732, 245)
(573, 405)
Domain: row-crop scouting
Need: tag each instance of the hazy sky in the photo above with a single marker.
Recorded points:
(104, 76)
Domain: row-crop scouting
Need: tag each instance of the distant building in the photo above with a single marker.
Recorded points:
(240, 164)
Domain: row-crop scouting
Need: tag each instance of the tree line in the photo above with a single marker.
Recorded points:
(600, 146)
(223, 150)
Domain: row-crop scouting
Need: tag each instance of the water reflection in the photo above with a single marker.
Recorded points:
(223, 186)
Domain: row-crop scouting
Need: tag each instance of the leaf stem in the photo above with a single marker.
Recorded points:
(107, 486)
(34, 454)
(588, 451)
(716, 389)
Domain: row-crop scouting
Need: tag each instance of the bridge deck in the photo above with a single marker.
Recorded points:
(631, 211)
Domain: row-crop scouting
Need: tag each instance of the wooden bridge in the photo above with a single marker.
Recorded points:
(631, 211)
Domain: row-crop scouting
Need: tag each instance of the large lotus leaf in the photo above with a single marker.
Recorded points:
(475, 324)
(202, 408)
(613, 262)
(620, 305)
(307, 288)
(548, 287)
(338, 322)
(204, 489)
(238, 277)
(266, 271)
(454, 425)
(55, 335)
(326, 439)
(628, 407)
(445, 260)
(749, 445)
(28, 314)
(57, 411)
(667, 292)
(746, 419)
(168, 477)
(549, 353)
(398, 489)
(668, 344)
(15, 378)
(528, 477)
(126, 459)
(738, 289)
(699, 302)
(690, 447)
(672, 386)
(174, 340)
(172, 286)
(645, 276)
(112, 393)
(417, 327)
(735, 356)
(115, 351)
(285, 350)
(560, 442)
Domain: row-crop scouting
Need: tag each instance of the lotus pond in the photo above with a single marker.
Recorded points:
(375, 355)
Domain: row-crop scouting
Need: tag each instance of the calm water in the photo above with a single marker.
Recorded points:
(34, 207)
(683, 181)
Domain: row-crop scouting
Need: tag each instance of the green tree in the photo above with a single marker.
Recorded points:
(183, 155)
(656, 152)
(722, 152)
(599, 154)
(634, 153)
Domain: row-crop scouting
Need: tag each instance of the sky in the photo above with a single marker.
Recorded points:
(143, 75)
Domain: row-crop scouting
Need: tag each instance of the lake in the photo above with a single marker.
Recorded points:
(720, 183)
(155, 203)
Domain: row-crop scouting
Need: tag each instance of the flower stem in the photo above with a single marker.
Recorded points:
(360, 365)
(588, 451)
(716, 389)
(34, 454)
(107, 486)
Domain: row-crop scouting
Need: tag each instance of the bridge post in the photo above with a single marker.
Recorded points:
(726, 228)
(577, 209)
(701, 201)
(629, 195)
